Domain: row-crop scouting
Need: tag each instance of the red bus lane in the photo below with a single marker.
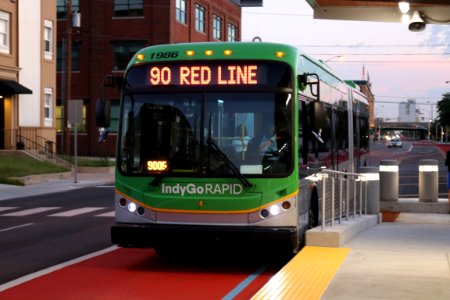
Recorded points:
(142, 274)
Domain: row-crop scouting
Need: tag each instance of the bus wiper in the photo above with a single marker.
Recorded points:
(155, 182)
(230, 164)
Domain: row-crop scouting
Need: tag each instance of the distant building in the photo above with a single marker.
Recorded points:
(111, 32)
(407, 111)
(27, 73)
(365, 87)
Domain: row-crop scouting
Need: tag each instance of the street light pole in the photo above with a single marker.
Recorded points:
(429, 130)
(68, 77)
(379, 121)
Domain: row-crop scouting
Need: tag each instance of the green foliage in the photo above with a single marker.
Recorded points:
(16, 164)
(443, 109)
(82, 162)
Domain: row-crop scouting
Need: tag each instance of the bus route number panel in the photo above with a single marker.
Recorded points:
(206, 75)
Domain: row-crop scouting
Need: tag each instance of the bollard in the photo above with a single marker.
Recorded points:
(389, 180)
(428, 180)
(372, 179)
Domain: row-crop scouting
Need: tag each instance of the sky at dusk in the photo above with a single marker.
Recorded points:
(400, 64)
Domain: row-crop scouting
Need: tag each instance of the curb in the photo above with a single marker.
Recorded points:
(34, 179)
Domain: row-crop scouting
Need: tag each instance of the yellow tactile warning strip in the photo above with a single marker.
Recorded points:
(306, 276)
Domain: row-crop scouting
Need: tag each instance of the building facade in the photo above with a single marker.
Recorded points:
(27, 73)
(366, 88)
(407, 111)
(110, 33)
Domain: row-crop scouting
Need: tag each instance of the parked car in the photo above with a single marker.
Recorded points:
(394, 142)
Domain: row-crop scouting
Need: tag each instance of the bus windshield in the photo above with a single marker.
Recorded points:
(206, 134)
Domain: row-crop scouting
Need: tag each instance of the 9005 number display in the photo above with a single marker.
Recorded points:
(156, 165)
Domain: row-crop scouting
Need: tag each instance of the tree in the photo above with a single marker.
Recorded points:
(443, 110)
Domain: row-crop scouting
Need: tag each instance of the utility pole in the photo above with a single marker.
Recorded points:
(68, 76)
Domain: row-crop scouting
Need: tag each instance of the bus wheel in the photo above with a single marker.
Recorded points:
(313, 216)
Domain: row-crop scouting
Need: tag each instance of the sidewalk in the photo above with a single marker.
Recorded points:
(405, 259)
(56, 185)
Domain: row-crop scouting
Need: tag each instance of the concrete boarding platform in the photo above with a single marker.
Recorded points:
(339, 234)
(405, 259)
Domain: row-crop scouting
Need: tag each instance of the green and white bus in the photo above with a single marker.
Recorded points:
(218, 143)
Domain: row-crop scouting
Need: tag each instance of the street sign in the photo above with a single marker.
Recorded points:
(76, 111)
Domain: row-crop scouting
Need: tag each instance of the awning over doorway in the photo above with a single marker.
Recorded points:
(9, 87)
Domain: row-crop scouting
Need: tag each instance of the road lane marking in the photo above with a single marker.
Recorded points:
(108, 214)
(76, 212)
(16, 227)
(3, 208)
(247, 281)
(49, 270)
(30, 211)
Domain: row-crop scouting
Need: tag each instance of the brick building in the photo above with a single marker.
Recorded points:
(110, 33)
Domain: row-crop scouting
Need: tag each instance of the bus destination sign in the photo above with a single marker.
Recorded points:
(206, 74)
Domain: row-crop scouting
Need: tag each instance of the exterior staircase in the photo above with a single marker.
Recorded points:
(41, 149)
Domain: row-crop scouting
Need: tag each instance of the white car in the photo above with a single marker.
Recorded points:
(395, 142)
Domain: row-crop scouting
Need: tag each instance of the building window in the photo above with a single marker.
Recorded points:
(61, 8)
(48, 39)
(232, 32)
(180, 10)
(60, 57)
(48, 104)
(128, 8)
(217, 27)
(123, 52)
(200, 18)
(4, 32)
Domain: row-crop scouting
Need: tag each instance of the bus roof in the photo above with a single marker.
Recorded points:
(216, 51)
(236, 50)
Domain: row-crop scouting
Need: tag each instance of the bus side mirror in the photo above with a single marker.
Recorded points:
(314, 85)
(103, 113)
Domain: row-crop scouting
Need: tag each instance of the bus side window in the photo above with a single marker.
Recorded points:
(302, 140)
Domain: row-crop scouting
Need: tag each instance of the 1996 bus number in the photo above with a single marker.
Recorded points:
(161, 55)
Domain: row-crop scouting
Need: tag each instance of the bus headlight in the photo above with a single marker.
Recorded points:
(132, 207)
(279, 208)
(274, 210)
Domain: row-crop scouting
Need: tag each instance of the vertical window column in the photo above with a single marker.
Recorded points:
(232, 32)
(200, 12)
(48, 107)
(180, 11)
(4, 32)
(217, 27)
(48, 39)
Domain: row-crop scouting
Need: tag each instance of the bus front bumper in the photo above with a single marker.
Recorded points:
(152, 235)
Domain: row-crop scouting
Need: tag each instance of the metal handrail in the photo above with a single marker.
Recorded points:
(42, 153)
(349, 203)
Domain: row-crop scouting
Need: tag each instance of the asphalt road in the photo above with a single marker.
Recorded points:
(43, 231)
(408, 157)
